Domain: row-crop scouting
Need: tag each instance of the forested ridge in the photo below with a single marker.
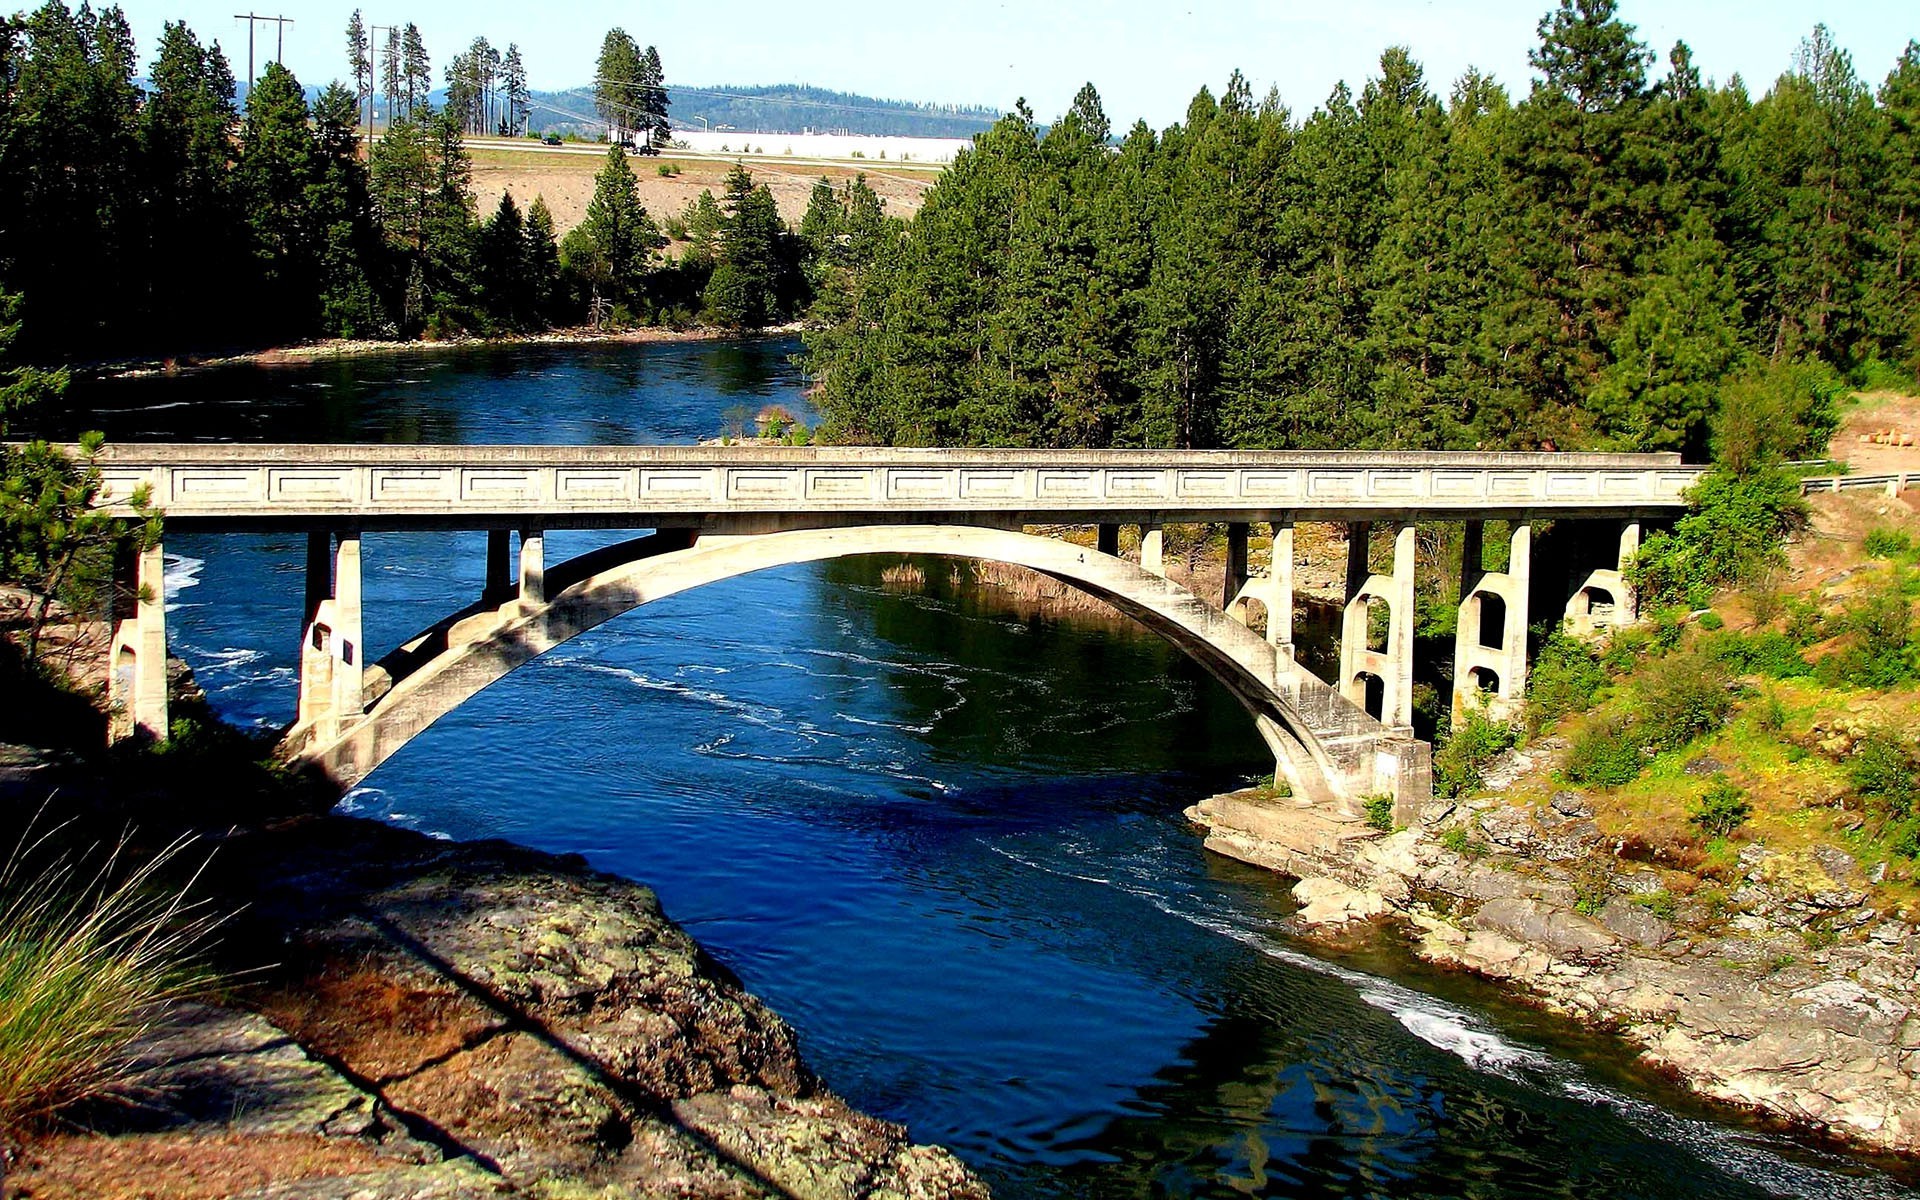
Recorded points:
(1595, 265)
(167, 219)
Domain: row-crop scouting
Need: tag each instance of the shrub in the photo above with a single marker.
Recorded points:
(1767, 653)
(1460, 842)
(1770, 714)
(1711, 622)
(1886, 770)
(1881, 653)
(1721, 810)
(1605, 754)
(1565, 679)
(1805, 621)
(89, 961)
(1682, 697)
(1468, 747)
(1379, 811)
(1733, 529)
(1887, 543)
(1775, 412)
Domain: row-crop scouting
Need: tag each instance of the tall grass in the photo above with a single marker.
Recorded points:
(91, 958)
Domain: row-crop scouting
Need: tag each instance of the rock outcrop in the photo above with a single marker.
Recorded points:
(1787, 995)
(447, 1019)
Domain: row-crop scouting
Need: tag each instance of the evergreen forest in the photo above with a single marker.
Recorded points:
(168, 218)
(1599, 264)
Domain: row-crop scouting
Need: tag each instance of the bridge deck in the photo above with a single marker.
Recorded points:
(650, 486)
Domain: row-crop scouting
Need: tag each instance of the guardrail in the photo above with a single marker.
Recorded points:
(1892, 484)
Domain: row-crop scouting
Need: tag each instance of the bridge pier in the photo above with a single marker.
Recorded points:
(1280, 593)
(1153, 550)
(1390, 670)
(1234, 595)
(533, 567)
(137, 660)
(332, 658)
(1493, 671)
(499, 586)
(1604, 600)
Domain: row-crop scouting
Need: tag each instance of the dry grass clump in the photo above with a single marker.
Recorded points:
(904, 576)
(91, 958)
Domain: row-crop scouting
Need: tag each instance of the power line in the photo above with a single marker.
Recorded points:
(279, 44)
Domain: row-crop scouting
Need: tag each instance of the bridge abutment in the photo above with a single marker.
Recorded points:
(332, 656)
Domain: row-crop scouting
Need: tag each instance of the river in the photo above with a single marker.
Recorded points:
(941, 840)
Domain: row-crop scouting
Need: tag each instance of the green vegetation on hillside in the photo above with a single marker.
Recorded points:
(1606, 263)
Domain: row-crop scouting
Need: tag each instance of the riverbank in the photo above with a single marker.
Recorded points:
(413, 1017)
(334, 348)
(1770, 962)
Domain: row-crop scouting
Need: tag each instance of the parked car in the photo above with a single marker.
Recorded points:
(552, 139)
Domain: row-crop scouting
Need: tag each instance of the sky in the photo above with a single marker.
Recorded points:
(1147, 58)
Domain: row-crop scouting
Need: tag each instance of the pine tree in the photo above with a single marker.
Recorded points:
(1680, 340)
(749, 284)
(619, 86)
(340, 210)
(542, 257)
(359, 54)
(1893, 283)
(195, 263)
(652, 78)
(501, 268)
(277, 163)
(416, 73)
(513, 80)
(616, 241)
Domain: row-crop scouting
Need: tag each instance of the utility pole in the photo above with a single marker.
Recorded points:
(373, 76)
(279, 45)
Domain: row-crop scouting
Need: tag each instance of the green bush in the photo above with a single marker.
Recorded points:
(1769, 653)
(1881, 653)
(1711, 622)
(1721, 810)
(1885, 769)
(1733, 529)
(1379, 811)
(1459, 841)
(1564, 679)
(1467, 748)
(1605, 754)
(1775, 412)
(1887, 543)
(90, 959)
(1680, 698)
(1806, 622)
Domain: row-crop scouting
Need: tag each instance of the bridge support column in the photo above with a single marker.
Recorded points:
(1107, 539)
(1492, 670)
(533, 568)
(499, 585)
(332, 659)
(137, 666)
(1390, 669)
(1153, 550)
(1603, 600)
(1233, 600)
(1280, 594)
(1628, 604)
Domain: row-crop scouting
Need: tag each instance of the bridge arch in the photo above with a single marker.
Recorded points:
(438, 670)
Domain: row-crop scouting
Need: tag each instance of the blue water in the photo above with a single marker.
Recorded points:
(941, 839)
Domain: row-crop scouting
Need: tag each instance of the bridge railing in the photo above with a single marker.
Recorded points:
(448, 483)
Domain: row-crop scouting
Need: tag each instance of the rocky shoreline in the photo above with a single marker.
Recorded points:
(411, 1019)
(1735, 997)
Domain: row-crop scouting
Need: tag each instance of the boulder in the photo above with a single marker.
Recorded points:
(1565, 935)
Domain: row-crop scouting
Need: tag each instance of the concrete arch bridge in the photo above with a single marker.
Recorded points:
(717, 513)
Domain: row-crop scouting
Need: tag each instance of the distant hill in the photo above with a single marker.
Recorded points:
(781, 108)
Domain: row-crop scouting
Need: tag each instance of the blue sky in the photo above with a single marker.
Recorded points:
(1147, 57)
